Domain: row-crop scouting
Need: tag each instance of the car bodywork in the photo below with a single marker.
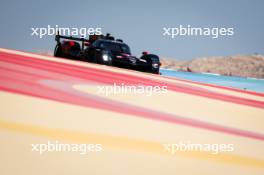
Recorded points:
(105, 50)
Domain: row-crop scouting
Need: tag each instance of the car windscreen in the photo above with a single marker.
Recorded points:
(115, 47)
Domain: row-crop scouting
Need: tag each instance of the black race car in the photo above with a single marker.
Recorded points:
(104, 49)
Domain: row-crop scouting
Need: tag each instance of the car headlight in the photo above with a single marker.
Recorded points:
(105, 57)
(133, 60)
(155, 65)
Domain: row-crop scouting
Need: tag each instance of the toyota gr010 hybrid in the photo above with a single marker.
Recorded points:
(105, 49)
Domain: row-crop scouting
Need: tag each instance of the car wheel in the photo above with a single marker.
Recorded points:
(58, 51)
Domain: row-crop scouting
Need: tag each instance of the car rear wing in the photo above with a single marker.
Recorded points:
(91, 39)
(82, 40)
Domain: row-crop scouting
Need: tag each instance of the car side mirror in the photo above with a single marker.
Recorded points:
(144, 53)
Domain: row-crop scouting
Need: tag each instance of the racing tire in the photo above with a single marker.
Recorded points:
(58, 51)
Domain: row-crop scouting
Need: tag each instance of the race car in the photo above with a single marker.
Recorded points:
(105, 49)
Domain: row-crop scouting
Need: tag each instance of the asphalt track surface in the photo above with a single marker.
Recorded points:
(48, 99)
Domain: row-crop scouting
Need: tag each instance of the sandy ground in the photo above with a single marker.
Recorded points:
(238, 65)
